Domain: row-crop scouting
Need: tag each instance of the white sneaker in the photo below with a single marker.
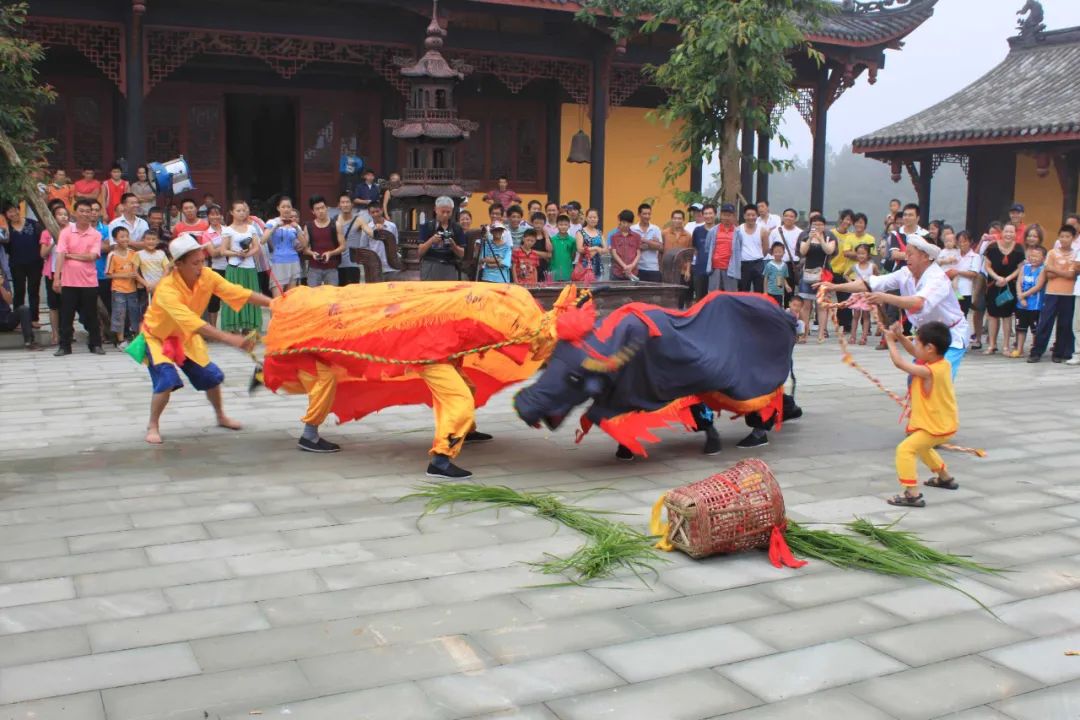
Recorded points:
(1074, 361)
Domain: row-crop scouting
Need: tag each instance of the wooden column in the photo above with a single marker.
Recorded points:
(821, 113)
(1071, 184)
(763, 141)
(392, 107)
(554, 145)
(135, 126)
(747, 170)
(971, 221)
(926, 176)
(601, 84)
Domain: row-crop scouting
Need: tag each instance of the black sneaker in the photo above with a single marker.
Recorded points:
(713, 446)
(98, 350)
(62, 351)
(624, 453)
(317, 446)
(1057, 360)
(1033, 359)
(450, 472)
(752, 441)
(475, 437)
(793, 414)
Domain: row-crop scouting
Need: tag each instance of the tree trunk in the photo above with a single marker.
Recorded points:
(33, 196)
(730, 161)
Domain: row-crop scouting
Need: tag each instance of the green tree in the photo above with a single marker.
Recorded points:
(731, 68)
(22, 154)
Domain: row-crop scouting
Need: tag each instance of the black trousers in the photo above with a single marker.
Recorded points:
(84, 301)
(753, 276)
(19, 317)
(654, 276)
(26, 279)
(843, 315)
(104, 291)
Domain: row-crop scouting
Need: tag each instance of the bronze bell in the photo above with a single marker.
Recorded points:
(580, 148)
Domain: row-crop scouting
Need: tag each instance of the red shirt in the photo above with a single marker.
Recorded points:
(87, 188)
(113, 192)
(721, 256)
(626, 247)
(196, 228)
(526, 266)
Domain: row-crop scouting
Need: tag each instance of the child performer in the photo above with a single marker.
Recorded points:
(1029, 298)
(934, 414)
(863, 269)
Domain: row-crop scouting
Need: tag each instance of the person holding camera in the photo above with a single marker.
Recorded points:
(240, 242)
(442, 244)
(322, 243)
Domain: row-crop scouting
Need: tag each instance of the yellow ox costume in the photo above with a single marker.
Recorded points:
(357, 349)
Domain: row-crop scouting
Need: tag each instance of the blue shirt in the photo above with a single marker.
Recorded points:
(774, 278)
(104, 257)
(701, 257)
(371, 192)
(503, 253)
(1028, 278)
(283, 240)
(351, 164)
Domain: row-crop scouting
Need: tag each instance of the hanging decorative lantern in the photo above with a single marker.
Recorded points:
(1042, 164)
(897, 170)
(580, 148)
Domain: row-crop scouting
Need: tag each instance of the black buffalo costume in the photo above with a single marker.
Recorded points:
(646, 367)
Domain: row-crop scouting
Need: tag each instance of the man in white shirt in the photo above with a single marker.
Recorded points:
(770, 221)
(926, 294)
(697, 217)
(136, 226)
(349, 221)
(652, 243)
(753, 239)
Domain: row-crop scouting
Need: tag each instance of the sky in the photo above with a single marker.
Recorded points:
(961, 42)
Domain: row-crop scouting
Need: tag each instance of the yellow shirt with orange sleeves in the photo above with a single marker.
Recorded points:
(933, 404)
(176, 310)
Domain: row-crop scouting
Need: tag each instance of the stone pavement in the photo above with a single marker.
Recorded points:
(227, 575)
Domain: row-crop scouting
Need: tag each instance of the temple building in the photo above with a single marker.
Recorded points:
(1016, 132)
(262, 96)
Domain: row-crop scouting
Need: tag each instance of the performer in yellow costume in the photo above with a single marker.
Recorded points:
(357, 349)
(173, 330)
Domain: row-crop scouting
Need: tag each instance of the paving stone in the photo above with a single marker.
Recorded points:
(376, 529)
(191, 697)
(703, 610)
(298, 559)
(983, 712)
(342, 603)
(1043, 659)
(828, 705)
(1039, 578)
(373, 667)
(1044, 615)
(41, 616)
(155, 576)
(121, 539)
(919, 694)
(1060, 701)
(809, 670)
(174, 627)
(689, 696)
(221, 548)
(404, 701)
(671, 654)
(95, 672)
(208, 513)
(533, 712)
(55, 567)
(84, 706)
(33, 549)
(32, 647)
(381, 572)
(572, 600)
(274, 523)
(509, 686)
(556, 637)
(815, 589)
(924, 600)
(1029, 523)
(36, 591)
(1012, 551)
(721, 573)
(476, 585)
(813, 626)
(943, 638)
(229, 592)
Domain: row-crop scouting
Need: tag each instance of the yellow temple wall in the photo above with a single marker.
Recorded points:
(1041, 196)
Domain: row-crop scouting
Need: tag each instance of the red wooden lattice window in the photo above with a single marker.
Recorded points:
(80, 126)
(510, 141)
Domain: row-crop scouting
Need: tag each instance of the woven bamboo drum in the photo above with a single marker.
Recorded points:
(729, 512)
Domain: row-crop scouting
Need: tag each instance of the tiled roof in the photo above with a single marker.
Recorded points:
(1032, 95)
(857, 24)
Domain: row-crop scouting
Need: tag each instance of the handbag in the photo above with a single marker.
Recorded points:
(978, 293)
(583, 274)
(1004, 297)
(812, 275)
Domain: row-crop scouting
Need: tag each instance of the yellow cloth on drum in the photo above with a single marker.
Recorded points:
(660, 529)
(919, 444)
(452, 401)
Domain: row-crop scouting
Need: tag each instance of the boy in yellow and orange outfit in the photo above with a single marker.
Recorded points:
(934, 414)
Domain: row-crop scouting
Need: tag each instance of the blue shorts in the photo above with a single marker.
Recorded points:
(955, 356)
(166, 379)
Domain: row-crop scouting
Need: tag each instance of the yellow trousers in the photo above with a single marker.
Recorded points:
(919, 445)
(455, 409)
(320, 389)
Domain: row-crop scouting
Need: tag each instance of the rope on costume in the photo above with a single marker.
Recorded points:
(849, 360)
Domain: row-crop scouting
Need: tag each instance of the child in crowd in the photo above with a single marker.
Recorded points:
(153, 264)
(543, 244)
(1029, 299)
(862, 312)
(625, 249)
(965, 271)
(934, 415)
(950, 253)
(795, 308)
(563, 248)
(122, 267)
(495, 257)
(525, 261)
(777, 283)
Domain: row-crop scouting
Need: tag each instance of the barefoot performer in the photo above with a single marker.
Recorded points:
(173, 331)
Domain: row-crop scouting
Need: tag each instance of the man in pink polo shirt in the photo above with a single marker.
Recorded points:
(76, 278)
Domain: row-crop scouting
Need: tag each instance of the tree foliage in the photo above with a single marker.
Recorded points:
(22, 94)
(731, 68)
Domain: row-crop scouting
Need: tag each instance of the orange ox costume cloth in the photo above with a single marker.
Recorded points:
(170, 329)
(357, 349)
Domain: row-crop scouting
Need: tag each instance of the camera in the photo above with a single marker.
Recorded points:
(245, 244)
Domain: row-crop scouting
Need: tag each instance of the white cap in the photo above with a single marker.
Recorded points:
(182, 245)
(919, 243)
